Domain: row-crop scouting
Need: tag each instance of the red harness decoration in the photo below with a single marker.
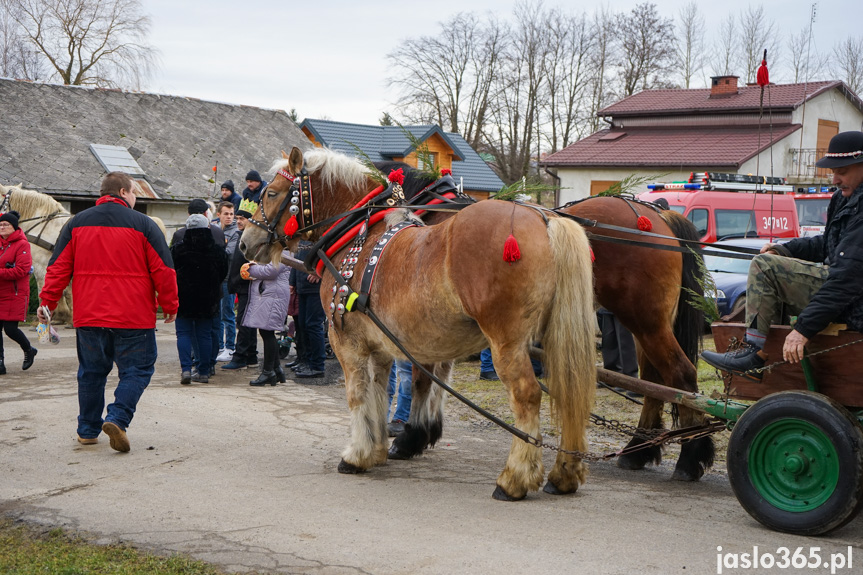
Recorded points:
(644, 224)
(511, 252)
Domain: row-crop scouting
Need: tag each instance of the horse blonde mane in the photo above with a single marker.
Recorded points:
(30, 203)
(334, 167)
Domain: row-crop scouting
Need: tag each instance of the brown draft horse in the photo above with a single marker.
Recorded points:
(446, 292)
(642, 287)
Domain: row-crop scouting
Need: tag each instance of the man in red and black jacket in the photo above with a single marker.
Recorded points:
(122, 269)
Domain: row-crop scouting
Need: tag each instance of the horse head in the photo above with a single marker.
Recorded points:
(306, 190)
(268, 230)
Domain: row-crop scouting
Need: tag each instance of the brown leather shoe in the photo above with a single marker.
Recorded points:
(119, 441)
(88, 440)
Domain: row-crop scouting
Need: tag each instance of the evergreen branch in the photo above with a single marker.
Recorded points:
(515, 189)
(366, 161)
(629, 183)
(424, 157)
(706, 300)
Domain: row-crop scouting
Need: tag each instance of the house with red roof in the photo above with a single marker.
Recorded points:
(667, 134)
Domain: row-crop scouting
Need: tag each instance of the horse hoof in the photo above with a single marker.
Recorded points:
(397, 454)
(349, 468)
(680, 475)
(502, 495)
(630, 463)
(552, 489)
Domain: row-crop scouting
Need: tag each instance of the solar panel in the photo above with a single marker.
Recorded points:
(116, 159)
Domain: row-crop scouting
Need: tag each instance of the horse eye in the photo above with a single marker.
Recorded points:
(271, 194)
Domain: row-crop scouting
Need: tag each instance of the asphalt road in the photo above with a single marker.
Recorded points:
(246, 478)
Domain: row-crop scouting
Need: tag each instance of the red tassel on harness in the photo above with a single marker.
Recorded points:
(511, 253)
(291, 227)
(644, 224)
(592, 256)
(762, 77)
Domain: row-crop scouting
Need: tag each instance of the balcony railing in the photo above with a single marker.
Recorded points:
(803, 164)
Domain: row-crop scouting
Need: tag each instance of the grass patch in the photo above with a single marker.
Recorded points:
(28, 550)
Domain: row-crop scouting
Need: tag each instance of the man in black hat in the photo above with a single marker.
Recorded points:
(199, 206)
(819, 279)
(229, 195)
(254, 186)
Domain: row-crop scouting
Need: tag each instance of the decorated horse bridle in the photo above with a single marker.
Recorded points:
(298, 202)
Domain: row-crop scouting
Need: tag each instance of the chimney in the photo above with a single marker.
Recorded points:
(723, 86)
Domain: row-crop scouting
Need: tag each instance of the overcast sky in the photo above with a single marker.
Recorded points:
(327, 58)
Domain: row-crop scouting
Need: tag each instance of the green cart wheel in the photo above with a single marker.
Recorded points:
(795, 463)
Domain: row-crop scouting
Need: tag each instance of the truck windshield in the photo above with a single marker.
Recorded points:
(812, 212)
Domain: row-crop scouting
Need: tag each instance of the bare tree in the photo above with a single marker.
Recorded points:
(647, 51)
(566, 94)
(690, 43)
(848, 62)
(17, 57)
(89, 42)
(516, 108)
(603, 51)
(757, 33)
(724, 59)
(446, 78)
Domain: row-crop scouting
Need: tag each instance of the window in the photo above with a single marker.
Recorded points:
(699, 220)
(599, 186)
(432, 156)
(735, 223)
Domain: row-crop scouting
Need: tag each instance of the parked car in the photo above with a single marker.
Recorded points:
(729, 275)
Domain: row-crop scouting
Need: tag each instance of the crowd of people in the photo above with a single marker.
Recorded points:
(124, 271)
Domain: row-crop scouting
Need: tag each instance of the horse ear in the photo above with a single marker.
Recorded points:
(295, 161)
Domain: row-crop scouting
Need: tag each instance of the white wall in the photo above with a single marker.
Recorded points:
(576, 181)
(172, 215)
(832, 106)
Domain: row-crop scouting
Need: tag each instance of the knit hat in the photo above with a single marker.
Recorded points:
(229, 184)
(843, 150)
(11, 217)
(253, 176)
(197, 221)
(247, 209)
(198, 206)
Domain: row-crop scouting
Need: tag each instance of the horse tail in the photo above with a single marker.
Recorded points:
(568, 339)
(689, 322)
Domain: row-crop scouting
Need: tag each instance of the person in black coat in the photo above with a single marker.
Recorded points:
(246, 350)
(310, 328)
(201, 267)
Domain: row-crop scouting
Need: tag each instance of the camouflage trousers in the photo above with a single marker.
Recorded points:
(776, 280)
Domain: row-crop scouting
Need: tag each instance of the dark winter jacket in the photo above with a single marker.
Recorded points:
(201, 266)
(841, 248)
(236, 284)
(299, 280)
(256, 195)
(15, 264)
(215, 230)
(121, 266)
(234, 198)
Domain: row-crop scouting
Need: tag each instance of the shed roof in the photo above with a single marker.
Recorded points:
(382, 143)
(47, 130)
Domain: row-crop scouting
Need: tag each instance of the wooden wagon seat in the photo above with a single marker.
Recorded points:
(838, 373)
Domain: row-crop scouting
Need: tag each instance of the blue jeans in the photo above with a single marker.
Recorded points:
(485, 363)
(228, 331)
(197, 334)
(401, 370)
(134, 352)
